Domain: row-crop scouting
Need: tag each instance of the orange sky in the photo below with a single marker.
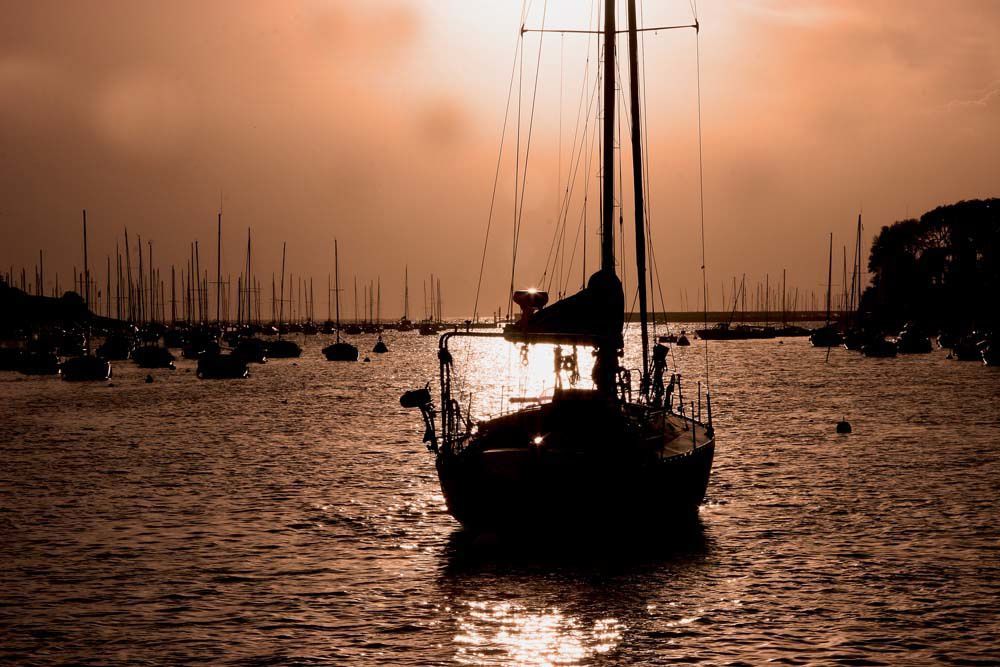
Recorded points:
(378, 122)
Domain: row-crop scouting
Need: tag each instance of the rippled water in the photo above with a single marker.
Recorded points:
(296, 517)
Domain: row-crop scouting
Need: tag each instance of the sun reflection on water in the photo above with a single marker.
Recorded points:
(509, 633)
(492, 372)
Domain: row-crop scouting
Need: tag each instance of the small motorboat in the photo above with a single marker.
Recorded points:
(380, 346)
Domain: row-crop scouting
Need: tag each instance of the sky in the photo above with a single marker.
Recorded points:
(379, 123)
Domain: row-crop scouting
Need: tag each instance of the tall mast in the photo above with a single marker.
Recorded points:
(829, 280)
(608, 169)
(86, 265)
(218, 272)
(336, 283)
(248, 284)
(640, 205)
(281, 302)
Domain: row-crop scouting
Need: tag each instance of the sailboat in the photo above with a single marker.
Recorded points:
(589, 457)
(86, 367)
(340, 350)
(281, 348)
(827, 335)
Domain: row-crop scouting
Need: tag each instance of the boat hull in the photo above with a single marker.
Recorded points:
(516, 489)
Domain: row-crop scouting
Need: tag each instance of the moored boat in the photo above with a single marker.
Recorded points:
(591, 456)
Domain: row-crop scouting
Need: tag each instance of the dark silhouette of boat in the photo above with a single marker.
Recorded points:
(38, 362)
(724, 331)
(200, 344)
(879, 347)
(222, 367)
(252, 349)
(827, 335)
(339, 350)
(72, 343)
(990, 351)
(10, 358)
(911, 340)
(283, 349)
(86, 368)
(116, 347)
(965, 348)
(380, 346)
(791, 331)
(589, 457)
(153, 356)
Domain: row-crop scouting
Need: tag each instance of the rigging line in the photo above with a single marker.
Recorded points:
(571, 179)
(527, 152)
(571, 184)
(646, 172)
(621, 117)
(701, 195)
(582, 225)
(496, 177)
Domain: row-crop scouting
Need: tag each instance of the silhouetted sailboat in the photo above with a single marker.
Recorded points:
(281, 348)
(827, 335)
(339, 350)
(87, 367)
(591, 457)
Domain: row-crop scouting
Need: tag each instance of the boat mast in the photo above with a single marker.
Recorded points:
(608, 169)
(606, 368)
(640, 206)
(249, 280)
(218, 272)
(336, 274)
(829, 280)
(281, 301)
(86, 265)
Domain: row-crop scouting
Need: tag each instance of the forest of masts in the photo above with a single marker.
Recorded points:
(134, 289)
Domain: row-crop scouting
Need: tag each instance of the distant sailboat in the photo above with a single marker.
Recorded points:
(281, 348)
(339, 350)
(86, 368)
(827, 335)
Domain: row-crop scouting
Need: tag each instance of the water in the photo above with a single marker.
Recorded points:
(296, 517)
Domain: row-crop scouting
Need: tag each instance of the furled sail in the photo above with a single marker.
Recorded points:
(595, 314)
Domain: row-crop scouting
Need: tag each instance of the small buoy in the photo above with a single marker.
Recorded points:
(149, 379)
(367, 360)
(843, 426)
